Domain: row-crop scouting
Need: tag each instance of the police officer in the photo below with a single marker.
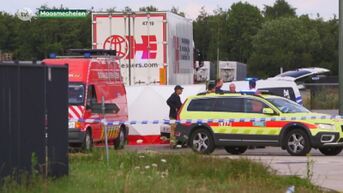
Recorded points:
(174, 103)
(219, 84)
(232, 88)
(252, 84)
(211, 87)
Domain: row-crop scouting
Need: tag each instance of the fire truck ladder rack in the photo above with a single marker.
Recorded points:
(17, 62)
(86, 53)
(92, 52)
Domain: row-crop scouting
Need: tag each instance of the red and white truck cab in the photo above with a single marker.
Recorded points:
(93, 79)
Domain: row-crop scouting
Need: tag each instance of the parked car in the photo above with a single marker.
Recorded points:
(302, 75)
(294, 134)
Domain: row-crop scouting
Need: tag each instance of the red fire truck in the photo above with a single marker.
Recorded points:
(94, 80)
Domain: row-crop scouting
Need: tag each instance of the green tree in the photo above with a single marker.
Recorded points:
(149, 8)
(177, 11)
(217, 38)
(6, 27)
(111, 10)
(127, 9)
(326, 55)
(202, 33)
(280, 9)
(38, 38)
(284, 42)
(243, 22)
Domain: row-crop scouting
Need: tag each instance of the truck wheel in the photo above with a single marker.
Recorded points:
(235, 150)
(331, 150)
(119, 142)
(297, 143)
(202, 142)
(88, 142)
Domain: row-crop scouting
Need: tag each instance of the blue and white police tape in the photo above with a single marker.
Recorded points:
(201, 121)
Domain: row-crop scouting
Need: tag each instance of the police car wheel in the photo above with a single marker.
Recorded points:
(202, 141)
(119, 142)
(235, 150)
(297, 143)
(331, 150)
(88, 142)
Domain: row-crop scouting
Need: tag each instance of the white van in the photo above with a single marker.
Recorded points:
(283, 88)
(300, 75)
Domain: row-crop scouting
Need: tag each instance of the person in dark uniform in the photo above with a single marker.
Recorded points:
(211, 87)
(219, 84)
(252, 84)
(174, 103)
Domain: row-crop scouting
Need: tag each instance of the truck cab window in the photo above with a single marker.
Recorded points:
(75, 94)
(91, 96)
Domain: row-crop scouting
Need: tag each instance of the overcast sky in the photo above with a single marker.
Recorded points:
(326, 8)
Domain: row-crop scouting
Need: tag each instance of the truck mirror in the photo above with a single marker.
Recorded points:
(109, 108)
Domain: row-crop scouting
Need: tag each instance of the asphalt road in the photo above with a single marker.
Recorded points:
(327, 171)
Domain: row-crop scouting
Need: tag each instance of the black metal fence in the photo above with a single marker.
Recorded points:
(33, 119)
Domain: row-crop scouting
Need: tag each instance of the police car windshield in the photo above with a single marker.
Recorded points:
(76, 94)
(287, 106)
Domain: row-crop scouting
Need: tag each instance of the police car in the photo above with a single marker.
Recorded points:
(255, 120)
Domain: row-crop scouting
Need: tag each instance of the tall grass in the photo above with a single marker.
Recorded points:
(321, 97)
(131, 172)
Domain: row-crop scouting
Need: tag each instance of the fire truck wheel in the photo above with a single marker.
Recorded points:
(88, 142)
(119, 142)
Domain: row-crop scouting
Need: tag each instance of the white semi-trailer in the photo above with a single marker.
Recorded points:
(153, 48)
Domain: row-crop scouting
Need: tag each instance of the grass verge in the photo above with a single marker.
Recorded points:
(151, 172)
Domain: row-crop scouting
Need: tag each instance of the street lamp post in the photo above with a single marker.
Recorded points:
(218, 43)
(340, 59)
(218, 51)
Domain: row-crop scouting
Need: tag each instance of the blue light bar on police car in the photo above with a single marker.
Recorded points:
(248, 92)
(251, 78)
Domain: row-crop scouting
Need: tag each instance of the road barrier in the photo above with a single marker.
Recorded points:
(201, 121)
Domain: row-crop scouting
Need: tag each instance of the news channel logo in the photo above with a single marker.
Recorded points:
(25, 14)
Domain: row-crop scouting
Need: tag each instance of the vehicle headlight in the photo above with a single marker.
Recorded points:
(329, 127)
(72, 124)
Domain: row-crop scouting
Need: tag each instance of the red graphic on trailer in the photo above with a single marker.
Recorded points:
(148, 46)
(117, 43)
